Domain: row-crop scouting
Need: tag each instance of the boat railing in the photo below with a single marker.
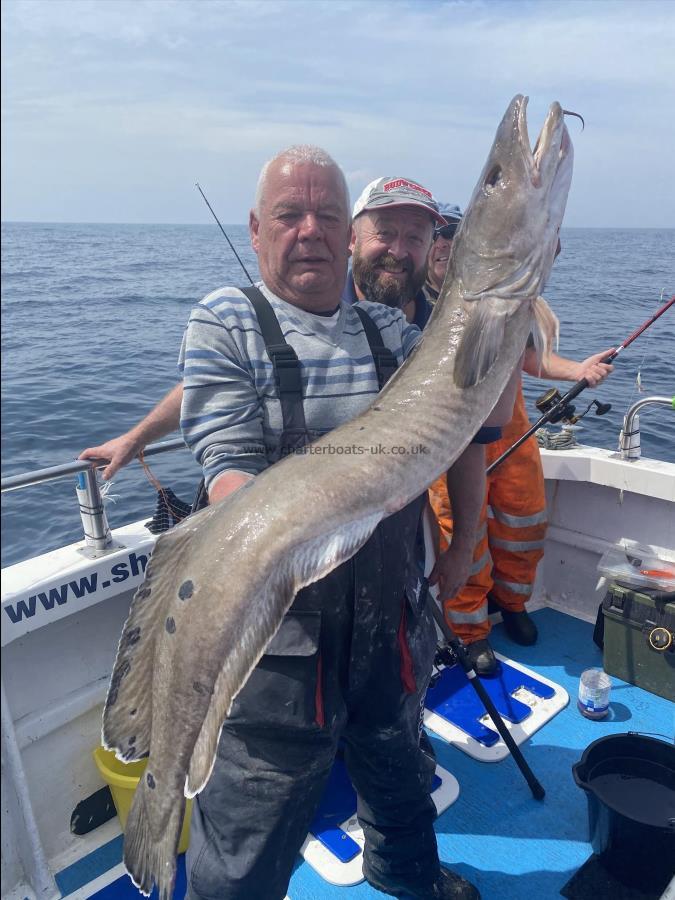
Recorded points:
(98, 539)
(629, 439)
(97, 534)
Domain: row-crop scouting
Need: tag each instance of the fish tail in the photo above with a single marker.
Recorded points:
(151, 857)
(545, 332)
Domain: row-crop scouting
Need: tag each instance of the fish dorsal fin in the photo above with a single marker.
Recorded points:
(481, 340)
(306, 563)
(127, 715)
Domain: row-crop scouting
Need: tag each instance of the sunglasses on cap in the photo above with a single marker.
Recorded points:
(447, 232)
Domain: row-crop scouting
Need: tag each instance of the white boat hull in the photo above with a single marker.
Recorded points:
(57, 660)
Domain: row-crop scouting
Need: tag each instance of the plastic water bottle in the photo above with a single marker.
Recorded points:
(594, 690)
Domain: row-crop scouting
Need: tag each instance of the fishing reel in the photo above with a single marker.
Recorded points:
(446, 657)
(566, 412)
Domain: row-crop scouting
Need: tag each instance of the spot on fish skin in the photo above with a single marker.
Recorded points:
(200, 688)
(186, 590)
(112, 698)
(129, 638)
(142, 593)
(132, 712)
(123, 669)
(170, 625)
(130, 754)
(132, 740)
(151, 781)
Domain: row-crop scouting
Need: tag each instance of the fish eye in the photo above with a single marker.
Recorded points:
(494, 176)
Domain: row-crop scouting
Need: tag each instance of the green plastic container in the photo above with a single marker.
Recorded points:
(639, 637)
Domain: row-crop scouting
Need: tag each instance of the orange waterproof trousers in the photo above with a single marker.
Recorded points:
(511, 532)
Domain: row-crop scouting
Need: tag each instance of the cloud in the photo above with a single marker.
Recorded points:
(171, 86)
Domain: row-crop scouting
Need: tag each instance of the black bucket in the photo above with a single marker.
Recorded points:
(629, 780)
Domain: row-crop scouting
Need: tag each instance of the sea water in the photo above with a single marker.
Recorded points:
(93, 317)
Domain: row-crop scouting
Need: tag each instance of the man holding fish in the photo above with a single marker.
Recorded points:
(304, 267)
(360, 635)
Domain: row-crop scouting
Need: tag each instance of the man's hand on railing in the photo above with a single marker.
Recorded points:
(159, 422)
(120, 451)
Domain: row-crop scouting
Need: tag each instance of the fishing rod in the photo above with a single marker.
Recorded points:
(201, 497)
(557, 410)
(239, 260)
(455, 651)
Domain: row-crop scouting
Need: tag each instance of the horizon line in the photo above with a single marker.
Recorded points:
(92, 222)
(245, 224)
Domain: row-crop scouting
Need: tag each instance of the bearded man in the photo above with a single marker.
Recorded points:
(393, 225)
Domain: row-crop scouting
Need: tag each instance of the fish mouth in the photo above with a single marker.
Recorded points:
(553, 141)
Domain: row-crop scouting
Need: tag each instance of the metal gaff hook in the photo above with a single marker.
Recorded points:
(568, 112)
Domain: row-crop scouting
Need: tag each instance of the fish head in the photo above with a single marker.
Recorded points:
(506, 243)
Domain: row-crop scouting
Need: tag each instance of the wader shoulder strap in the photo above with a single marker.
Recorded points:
(385, 361)
(288, 380)
(287, 372)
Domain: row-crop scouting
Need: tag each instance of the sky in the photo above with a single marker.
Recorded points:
(113, 109)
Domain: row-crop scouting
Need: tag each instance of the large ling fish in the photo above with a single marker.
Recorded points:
(220, 583)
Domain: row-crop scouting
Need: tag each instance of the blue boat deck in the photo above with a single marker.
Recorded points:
(510, 845)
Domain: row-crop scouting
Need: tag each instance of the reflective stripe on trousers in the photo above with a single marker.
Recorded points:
(512, 532)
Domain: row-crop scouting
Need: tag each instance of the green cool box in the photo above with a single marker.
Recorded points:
(639, 638)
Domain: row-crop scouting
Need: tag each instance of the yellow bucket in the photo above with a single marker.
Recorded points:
(122, 779)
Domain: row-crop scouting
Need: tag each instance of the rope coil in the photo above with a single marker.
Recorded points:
(556, 440)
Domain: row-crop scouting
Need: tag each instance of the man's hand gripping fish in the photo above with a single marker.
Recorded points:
(219, 584)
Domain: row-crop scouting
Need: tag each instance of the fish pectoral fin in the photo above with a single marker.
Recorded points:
(481, 341)
(127, 715)
(302, 565)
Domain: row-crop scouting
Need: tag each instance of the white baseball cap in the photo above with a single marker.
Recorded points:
(388, 193)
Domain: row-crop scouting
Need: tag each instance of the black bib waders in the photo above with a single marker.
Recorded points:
(349, 664)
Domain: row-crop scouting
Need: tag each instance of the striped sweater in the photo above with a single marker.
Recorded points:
(231, 414)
